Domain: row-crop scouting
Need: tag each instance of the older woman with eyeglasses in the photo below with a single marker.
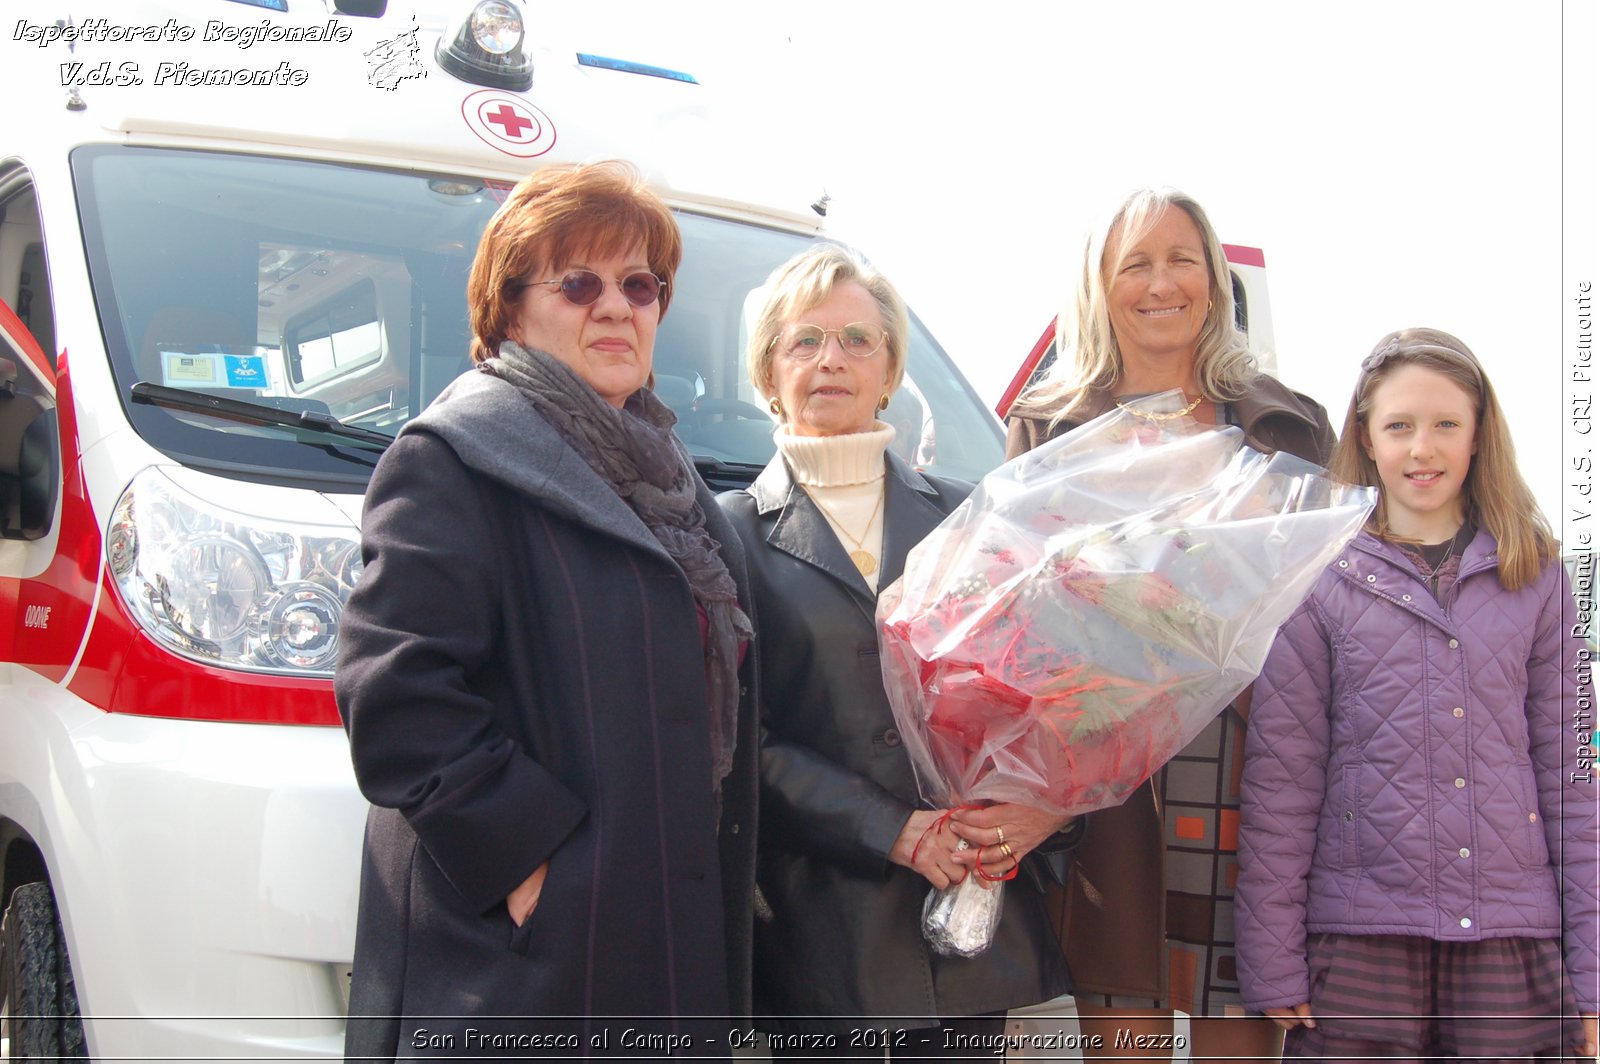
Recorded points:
(542, 671)
(848, 851)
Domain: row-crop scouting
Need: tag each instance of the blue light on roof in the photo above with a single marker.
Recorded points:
(629, 67)
(270, 5)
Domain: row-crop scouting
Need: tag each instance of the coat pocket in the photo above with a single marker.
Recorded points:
(1349, 812)
(522, 936)
(1527, 839)
(522, 939)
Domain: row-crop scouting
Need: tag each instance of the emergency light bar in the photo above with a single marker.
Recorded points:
(484, 47)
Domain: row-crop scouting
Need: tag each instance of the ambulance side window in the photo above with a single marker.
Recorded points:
(342, 334)
(30, 450)
(24, 281)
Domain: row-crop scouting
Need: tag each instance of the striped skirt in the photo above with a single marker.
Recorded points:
(1406, 998)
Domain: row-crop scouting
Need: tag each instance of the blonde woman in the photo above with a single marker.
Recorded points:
(1147, 915)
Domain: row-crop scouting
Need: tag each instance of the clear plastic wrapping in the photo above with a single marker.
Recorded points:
(1096, 602)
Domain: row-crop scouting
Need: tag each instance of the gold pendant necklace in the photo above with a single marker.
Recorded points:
(1168, 416)
(862, 558)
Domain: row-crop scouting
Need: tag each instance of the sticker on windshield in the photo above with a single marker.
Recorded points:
(246, 371)
(213, 369)
(506, 122)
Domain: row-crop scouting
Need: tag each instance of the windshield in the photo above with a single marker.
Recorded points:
(340, 292)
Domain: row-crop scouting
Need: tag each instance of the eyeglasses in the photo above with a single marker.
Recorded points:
(860, 339)
(583, 287)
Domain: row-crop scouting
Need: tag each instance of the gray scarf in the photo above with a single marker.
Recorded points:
(634, 450)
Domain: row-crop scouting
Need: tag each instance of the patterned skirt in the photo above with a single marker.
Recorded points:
(1400, 997)
(1199, 791)
(1198, 794)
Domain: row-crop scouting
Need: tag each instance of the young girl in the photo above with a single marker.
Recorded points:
(1419, 839)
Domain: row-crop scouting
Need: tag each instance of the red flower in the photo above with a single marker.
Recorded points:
(1156, 592)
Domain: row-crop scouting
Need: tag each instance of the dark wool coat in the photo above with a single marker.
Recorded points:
(1112, 914)
(523, 681)
(844, 937)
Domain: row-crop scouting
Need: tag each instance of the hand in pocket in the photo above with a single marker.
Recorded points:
(522, 901)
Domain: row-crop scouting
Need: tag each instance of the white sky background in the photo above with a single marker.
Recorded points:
(1399, 162)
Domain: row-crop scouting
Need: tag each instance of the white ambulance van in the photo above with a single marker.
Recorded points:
(234, 240)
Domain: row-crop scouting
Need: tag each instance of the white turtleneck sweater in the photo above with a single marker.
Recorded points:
(844, 477)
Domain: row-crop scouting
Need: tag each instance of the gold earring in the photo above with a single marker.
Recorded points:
(883, 401)
(775, 406)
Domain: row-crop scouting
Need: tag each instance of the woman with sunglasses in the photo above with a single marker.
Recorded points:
(1148, 907)
(543, 670)
(848, 852)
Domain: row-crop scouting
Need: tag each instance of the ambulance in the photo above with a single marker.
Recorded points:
(234, 240)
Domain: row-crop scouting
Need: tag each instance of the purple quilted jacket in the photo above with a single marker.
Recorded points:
(1414, 769)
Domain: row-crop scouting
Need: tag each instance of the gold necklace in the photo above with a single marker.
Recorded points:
(862, 558)
(1168, 416)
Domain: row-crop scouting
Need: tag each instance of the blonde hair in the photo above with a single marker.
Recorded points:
(1092, 362)
(809, 279)
(558, 213)
(1493, 495)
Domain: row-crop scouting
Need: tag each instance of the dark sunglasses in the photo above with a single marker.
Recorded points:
(582, 287)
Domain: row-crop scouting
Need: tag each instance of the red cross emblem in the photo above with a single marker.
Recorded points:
(508, 123)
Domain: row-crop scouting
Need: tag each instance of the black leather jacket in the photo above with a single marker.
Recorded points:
(844, 934)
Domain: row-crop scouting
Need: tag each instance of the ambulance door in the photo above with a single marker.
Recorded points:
(43, 607)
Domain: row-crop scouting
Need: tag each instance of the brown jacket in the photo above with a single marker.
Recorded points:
(1111, 916)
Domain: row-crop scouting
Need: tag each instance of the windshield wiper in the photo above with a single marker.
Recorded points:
(254, 413)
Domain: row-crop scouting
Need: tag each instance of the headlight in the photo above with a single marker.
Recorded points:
(228, 589)
(484, 46)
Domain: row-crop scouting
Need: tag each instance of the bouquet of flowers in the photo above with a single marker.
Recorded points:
(1091, 607)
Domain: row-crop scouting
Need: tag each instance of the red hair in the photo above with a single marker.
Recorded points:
(556, 215)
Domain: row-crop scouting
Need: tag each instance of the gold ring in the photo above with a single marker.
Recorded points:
(1001, 841)
(1005, 848)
